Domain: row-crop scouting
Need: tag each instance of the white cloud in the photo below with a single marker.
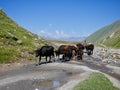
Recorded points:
(57, 34)
(52, 32)
(44, 33)
(60, 34)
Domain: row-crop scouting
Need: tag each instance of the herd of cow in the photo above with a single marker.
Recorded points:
(67, 51)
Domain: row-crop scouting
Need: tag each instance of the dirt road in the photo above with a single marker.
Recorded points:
(51, 76)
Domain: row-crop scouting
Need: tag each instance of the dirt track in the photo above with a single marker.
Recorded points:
(56, 75)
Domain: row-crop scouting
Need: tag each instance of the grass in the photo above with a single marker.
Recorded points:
(96, 81)
(11, 50)
(114, 42)
(8, 54)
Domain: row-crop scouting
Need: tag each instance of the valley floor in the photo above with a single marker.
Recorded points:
(59, 75)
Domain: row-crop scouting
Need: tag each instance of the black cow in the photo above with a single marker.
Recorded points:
(46, 51)
(89, 48)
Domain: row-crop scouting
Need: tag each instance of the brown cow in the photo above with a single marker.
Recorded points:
(67, 51)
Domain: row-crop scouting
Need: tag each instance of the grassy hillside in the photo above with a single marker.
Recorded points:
(16, 43)
(109, 35)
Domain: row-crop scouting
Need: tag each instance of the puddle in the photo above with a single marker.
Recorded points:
(55, 82)
(32, 85)
(42, 84)
(46, 84)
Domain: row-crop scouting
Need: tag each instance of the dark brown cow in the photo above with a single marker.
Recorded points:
(89, 48)
(80, 46)
(80, 52)
(67, 51)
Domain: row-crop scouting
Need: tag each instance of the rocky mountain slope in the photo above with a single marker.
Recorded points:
(16, 43)
(108, 35)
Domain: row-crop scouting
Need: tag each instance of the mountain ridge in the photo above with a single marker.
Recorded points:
(69, 39)
(108, 35)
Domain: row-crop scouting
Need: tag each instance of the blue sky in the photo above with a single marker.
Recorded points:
(62, 18)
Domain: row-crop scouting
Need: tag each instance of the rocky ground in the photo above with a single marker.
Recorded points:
(60, 75)
(108, 56)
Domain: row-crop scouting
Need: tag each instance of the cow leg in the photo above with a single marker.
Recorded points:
(70, 57)
(46, 59)
(91, 52)
(63, 57)
(78, 57)
(54, 58)
(39, 59)
(81, 57)
(49, 58)
(58, 56)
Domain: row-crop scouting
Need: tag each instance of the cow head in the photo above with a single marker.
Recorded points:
(37, 52)
(80, 46)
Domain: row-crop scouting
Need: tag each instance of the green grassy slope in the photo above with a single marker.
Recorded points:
(109, 35)
(96, 81)
(16, 43)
